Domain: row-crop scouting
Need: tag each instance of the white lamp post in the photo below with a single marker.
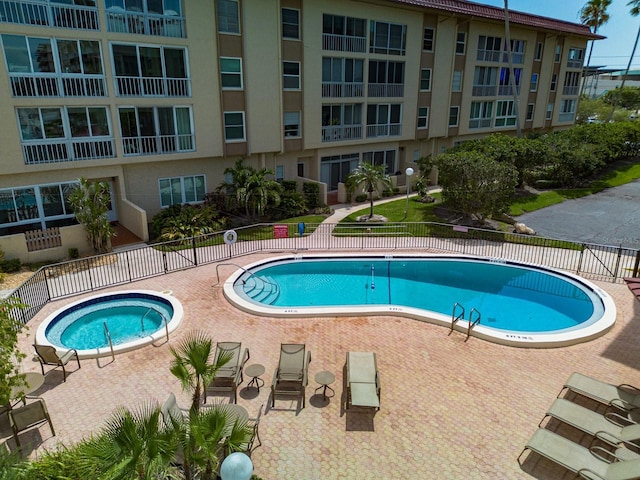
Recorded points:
(236, 466)
(408, 172)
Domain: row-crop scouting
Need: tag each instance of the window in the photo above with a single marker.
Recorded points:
(425, 79)
(341, 122)
(567, 110)
(539, 47)
(505, 81)
(530, 109)
(505, 115)
(387, 38)
(291, 75)
(558, 53)
(150, 71)
(461, 40)
(38, 206)
(291, 124)
(554, 82)
(156, 130)
(489, 49)
(342, 77)
(480, 116)
(423, 117)
(575, 58)
(234, 126)
(231, 73)
(571, 83)
(453, 116)
(179, 190)
(381, 157)
(290, 23)
(484, 81)
(456, 82)
(549, 111)
(427, 40)
(228, 17)
(534, 82)
(386, 79)
(279, 173)
(344, 34)
(384, 120)
(301, 172)
(517, 52)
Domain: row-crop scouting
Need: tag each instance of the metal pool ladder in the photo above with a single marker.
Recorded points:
(458, 314)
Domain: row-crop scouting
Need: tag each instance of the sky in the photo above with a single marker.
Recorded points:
(620, 30)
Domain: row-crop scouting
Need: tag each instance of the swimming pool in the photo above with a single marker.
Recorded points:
(133, 318)
(515, 304)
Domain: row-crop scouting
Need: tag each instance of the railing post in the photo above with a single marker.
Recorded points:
(615, 271)
(636, 265)
(164, 259)
(128, 265)
(583, 246)
(195, 251)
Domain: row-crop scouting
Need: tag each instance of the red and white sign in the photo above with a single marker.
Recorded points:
(280, 231)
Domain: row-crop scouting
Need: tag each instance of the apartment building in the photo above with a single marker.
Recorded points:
(158, 97)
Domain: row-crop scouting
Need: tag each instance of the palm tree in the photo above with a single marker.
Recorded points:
(90, 202)
(192, 364)
(372, 177)
(594, 15)
(635, 11)
(512, 77)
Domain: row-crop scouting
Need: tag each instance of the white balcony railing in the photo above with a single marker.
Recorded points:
(566, 117)
(123, 21)
(484, 90)
(384, 130)
(385, 89)
(339, 133)
(47, 85)
(479, 123)
(159, 144)
(153, 87)
(488, 55)
(504, 90)
(571, 90)
(34, 12)
(342, 89)
(344, 43)
(574, 63)
(67, 150)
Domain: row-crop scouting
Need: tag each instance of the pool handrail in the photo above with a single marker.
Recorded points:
(455, 318)
(251, 274)
(106, 331)
(472, 323)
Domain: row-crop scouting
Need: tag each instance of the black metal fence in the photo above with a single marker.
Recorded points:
(88, 274)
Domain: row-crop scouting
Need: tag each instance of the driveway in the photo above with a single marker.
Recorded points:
(611, 217)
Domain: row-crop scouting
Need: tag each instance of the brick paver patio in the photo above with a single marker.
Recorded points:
(450, 408)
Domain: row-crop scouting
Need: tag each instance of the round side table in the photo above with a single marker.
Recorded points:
(325, 379)
(254, 371)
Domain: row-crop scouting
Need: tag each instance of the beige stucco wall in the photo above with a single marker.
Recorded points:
(73, 236)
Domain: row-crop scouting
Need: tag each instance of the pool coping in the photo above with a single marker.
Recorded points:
(515, 339)
(161, 333)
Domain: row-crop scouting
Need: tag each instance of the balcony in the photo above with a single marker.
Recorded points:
(506, 90)
(479, 123)
(566, 117)
(158, 145)
(385, 89)
(139, 23)
(571, 90)
(67, 150)
(153, 87)
(574, 63)
(55, 15)
(488, 55)
(342, 89)
(384, 130)
(344, 43)
(484, 90)
(339, 133)
(39, 85)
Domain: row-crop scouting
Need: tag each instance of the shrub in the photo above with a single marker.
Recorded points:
(10, 266)
(179, 222)
(74, 253)
(292, 204)
(361, 198)
(311, 193)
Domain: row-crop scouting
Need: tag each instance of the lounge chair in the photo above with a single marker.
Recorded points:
(592, 463)
(610, 424)
(624, 396)
(48, 355)
(229, 376)
(30, 415)
(170, 410)
(291, 376)
(252, 423)
(363, 380)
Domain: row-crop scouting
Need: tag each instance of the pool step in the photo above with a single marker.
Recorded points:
(262, 289)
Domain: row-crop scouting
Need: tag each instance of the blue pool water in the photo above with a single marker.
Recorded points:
(128, 316)
(508, 296)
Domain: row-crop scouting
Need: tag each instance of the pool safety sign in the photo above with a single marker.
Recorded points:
(280, 231)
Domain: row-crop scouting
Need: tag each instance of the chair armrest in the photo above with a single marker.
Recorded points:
(621, 404)
(626, 386)
(305, 374)
(614, 441)
(589, 474)
(603, 454)
(274, 382)
(245, 357)
(619, 420)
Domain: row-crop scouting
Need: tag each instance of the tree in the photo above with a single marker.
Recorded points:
(635, 11)
(475, 184)
(512, 76)
(594, 15)
(90, 202)
(251, 188)
(371, 177)
(192, 364)
(10, 355)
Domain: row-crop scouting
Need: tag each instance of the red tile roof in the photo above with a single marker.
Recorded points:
(495, 13)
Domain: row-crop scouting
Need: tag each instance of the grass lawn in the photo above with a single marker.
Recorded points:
(394, 211)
